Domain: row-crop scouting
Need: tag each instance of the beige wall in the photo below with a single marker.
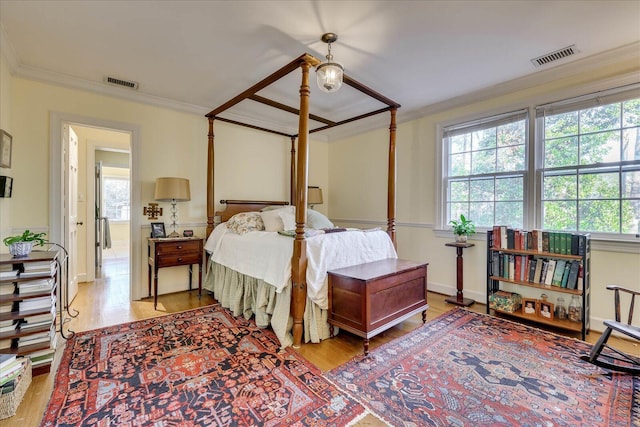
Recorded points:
(5, 124)
(357, 170)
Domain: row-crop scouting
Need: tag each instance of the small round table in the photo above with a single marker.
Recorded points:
(459, 299)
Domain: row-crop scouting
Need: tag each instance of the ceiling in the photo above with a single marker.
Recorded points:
(195, 55)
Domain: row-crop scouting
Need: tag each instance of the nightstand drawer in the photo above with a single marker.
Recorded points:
(170, 260)
(169, 247)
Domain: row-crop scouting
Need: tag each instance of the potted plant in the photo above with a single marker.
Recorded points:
(22, 244)
(462, 228)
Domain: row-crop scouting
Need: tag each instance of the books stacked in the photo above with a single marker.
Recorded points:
(7, 272)
(41, 303)
(7, 288)
(6, 307)
(42, 357)
(39, 268)
(38, 321)
(37, 338)
(5, 343)
(11, 367)
(7, 326)
(42, 285)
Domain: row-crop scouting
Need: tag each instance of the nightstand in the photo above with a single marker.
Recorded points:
(166, 252)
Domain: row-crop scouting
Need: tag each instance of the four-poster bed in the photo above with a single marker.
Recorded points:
(299, 168)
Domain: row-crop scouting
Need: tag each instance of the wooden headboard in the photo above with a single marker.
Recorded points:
(237, 206)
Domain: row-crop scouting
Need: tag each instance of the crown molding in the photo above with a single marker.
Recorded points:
(7, 51)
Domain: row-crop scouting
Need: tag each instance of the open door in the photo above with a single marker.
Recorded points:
(71, 223)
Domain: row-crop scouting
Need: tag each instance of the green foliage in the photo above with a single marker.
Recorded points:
(462, 226)
(27, 236)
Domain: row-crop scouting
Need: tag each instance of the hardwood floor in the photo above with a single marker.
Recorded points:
(106, 302)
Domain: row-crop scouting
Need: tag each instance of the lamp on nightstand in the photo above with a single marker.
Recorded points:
(170, 189)
(314, 196)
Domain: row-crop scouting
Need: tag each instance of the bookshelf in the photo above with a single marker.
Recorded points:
(28, 293)
(521, 263)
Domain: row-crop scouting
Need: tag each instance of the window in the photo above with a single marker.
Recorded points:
(115, 198)
(485, 169)
(590, 164)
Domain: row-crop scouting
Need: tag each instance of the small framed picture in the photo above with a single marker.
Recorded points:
(530, 306)
(157, 230)
(187, 233)
(5, 149)
(545, 310)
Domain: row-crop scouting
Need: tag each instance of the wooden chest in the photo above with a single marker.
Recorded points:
(369, 298)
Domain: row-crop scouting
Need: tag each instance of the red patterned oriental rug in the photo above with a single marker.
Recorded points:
(201, 367)
(470, 369)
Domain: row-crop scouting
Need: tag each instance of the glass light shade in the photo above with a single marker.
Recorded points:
(329, 76)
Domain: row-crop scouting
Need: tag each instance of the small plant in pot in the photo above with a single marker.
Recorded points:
(462, 228)
(22, 244)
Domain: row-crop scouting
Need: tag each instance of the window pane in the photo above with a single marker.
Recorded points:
(482, 214)
(460, 143)
(481, 190)
(460, 164)
(600, 215)
(599, 186)
(457, 209)
(600, 147)
(631, 216)
(511, 159)
(509, 188)
(483, 139)
(483, 161)
(510, 214)
(115, 197)
(512, 134)
(631, 184)
(631, 144)
(600, 118)
(561, 125)
(459, 191)
(631, 113)
(560, 187)
(560, 215)
(561, 152)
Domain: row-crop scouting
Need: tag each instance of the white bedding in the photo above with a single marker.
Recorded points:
(267, 255)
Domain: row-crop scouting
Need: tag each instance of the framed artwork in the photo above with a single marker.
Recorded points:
(187, 233)
(545, 310)
(529, 306)
(5, 149)
(157, 230)
(6, 185)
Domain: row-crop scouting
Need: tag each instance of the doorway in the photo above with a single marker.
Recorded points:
(94, 136)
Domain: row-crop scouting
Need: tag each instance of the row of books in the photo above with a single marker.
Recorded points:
(27, 323)
(11, 367)
(557, 242)
(551, 272)
(48, 336)
(41, 303)
(32, 286)
(29, 269)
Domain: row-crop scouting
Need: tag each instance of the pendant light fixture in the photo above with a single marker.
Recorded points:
(329, 74)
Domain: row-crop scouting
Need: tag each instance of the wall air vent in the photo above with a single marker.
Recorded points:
(555, 56)
(120, 82)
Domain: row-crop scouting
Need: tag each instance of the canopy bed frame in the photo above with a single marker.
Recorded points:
(298, 177)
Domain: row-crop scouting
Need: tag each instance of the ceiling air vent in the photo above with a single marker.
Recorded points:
(555, 56)
(120, 82)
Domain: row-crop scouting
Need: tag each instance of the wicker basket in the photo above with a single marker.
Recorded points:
(19, 249)
(9, 402)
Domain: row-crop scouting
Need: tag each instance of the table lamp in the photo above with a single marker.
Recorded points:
(170, 189)
(314, 196)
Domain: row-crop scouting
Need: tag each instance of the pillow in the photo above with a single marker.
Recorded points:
(288, 216)
(272, 220)
(317, 220)
(245, 222)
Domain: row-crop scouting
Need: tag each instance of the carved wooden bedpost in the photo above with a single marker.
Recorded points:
(391, 189)
(299, 263)
(292, 178)
(210, 179)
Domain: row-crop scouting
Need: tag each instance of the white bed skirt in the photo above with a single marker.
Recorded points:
(247, 296)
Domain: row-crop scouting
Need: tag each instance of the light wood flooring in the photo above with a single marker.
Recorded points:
(106, 302)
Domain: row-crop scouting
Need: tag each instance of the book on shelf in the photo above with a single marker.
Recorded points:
(6, 308)
(558, 272)
(572, 280)
(44, 285)
(532, 269)
(42, 357)
(39, 265)
(6, 359)
(565, 275)
(35, 304)
(11, 370)
(6, 322)
(550, 271)
(7, 289)
(5, 343)
(47, 317)
(8, 328)
(8, 274)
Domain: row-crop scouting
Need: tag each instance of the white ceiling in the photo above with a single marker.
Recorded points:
(195, 55)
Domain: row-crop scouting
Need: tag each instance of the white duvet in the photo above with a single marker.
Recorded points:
(267, 255)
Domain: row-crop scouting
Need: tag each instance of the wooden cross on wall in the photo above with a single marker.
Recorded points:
(152, 211)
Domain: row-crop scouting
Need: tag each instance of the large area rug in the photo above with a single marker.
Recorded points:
(469, 369)
(201, 367)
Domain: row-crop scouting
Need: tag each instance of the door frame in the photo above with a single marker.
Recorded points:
(57, 178)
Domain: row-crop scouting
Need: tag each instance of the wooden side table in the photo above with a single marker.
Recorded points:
(171, 253)
(459, 299)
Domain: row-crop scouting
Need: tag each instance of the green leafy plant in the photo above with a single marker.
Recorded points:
(462, 226)
(27, 236)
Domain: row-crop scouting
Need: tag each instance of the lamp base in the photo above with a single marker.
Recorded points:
(173, 234)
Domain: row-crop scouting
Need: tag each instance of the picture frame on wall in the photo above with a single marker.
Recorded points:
(6, 141)
(6, 186)
(157, 230)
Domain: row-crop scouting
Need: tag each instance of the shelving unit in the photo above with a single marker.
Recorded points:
(14, 299)
(495, 283)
